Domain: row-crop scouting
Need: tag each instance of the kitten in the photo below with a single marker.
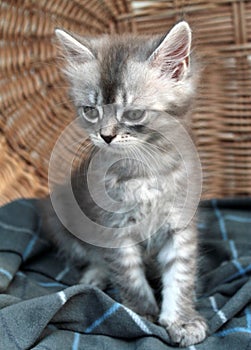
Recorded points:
(133, 93)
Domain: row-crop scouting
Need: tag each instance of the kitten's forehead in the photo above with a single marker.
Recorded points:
(115, 56)
(124, 96)
(121, 74)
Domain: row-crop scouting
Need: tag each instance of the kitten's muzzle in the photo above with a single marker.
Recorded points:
(107, 138)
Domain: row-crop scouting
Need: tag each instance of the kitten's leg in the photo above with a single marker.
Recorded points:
(178, 315)
(95, 275)
(128, 274)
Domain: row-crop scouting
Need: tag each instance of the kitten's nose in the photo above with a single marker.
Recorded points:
(108, 138)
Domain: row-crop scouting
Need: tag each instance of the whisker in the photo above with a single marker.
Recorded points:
(147, 154)
(153, 145)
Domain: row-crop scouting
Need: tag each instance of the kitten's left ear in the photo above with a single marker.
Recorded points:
(172, 55)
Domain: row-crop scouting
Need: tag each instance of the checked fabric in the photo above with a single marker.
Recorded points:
(42, 307)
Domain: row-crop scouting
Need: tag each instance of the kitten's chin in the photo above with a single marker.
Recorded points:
(113, 147)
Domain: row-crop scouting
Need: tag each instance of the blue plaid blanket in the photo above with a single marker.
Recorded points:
(42, 306)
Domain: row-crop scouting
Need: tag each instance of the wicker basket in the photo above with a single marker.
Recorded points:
(34, 106)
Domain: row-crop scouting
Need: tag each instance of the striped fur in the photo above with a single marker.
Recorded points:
(152, 74)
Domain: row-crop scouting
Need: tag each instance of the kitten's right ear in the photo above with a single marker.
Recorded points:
(74, 49)
(172, 55)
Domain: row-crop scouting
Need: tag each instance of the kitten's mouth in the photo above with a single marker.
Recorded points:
(113, 143)
(117, 146)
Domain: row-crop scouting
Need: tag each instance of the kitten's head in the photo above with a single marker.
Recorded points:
(119, 84)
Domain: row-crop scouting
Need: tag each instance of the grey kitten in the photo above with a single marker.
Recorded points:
(131, 93)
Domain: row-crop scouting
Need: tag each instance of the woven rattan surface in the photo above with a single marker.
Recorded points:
(34, 108)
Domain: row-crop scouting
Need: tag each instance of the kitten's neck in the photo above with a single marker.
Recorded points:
(125, 166)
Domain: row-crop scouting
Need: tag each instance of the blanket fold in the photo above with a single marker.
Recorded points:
(43, 307)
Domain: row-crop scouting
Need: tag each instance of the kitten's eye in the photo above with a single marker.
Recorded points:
(90, 113)
(134, 115)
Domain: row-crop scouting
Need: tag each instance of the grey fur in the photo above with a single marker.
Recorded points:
(133, 72)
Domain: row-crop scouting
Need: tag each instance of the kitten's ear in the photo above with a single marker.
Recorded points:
(172, 55)
(74, 49)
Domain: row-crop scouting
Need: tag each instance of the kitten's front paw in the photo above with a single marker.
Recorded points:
(145, 308)
(141, 300)
(95, 276)
(186, 333)
(151, 318)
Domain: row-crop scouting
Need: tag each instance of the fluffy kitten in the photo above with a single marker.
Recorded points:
(121, 85)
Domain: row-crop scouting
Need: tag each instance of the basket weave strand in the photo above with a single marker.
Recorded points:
(35, 108)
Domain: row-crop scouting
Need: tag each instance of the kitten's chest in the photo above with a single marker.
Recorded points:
(151, 205)
(145, 192)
